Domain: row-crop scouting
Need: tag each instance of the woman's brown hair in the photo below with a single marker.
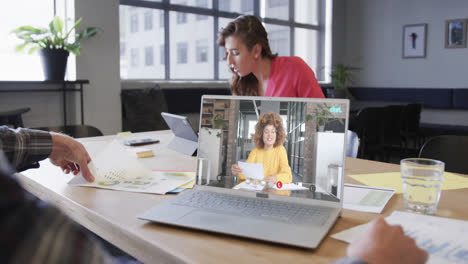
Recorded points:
(250, 31)
(266, 119)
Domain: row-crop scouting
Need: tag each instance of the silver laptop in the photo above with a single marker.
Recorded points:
(299, 212)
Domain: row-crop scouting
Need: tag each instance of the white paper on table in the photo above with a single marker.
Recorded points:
(112, 164)
(252, 170)
(446, 240)
(258, 187)
(249, 186)
(365, 198)
(117, 169)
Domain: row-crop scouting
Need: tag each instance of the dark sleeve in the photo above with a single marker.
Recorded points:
(25, 147)
(33, 231)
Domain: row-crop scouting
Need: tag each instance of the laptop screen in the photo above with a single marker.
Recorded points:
(282, 146)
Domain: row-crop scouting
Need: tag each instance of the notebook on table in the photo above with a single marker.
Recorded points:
(299, 213)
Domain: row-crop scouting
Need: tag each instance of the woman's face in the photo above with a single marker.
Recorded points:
(239, 58)
(269, 135)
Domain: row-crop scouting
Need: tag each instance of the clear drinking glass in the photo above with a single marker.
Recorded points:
(422, 184)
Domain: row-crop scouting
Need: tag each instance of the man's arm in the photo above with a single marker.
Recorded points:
(25, 147)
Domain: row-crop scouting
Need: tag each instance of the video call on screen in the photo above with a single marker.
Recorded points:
(314, 144)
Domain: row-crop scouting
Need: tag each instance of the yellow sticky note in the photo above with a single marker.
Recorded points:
(145, 154)
(124, 133)
(392, 180)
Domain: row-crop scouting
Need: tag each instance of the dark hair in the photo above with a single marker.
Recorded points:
(266, 119)
(250, 31)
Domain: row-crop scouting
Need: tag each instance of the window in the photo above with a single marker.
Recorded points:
(161, 18)
(149, 56)
(182, 53)
(202, 50)
(162, 51)
(122, 49)
(134, 57)
(134, 23)
(148, 20)
(276, 3)
(224, 5)
(204, 4)
(181, 18)
(189, 50)
(22, 66)
(247, 5)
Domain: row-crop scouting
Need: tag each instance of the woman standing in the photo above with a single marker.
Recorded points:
(259, 72)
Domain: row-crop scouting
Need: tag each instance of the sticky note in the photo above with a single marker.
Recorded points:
(124, 133)
(145, 154)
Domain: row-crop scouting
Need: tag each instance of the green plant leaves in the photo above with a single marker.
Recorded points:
(52, 37)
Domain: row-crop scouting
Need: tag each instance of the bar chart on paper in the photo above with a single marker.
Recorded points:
(446, 240)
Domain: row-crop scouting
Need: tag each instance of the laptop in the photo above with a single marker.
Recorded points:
(185, 139)
(297, 213)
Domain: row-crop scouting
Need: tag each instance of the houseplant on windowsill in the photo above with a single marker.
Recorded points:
(342, 76)
(54, 44)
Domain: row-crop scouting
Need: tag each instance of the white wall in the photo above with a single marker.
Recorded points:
(99, 62)
(373, 41)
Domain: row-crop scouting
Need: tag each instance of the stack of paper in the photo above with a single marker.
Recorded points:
(113, 168)
(446, 240)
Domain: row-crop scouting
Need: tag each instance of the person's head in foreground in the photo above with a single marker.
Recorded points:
(269, 131)
(246, 44)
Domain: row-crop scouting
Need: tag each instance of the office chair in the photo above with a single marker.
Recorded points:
(451, 149)
(76, 131)
(13, 118)
(409, 129)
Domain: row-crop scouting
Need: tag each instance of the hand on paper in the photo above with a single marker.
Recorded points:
(70, 155)
(271, 178)
(235, 169)
(383, 243)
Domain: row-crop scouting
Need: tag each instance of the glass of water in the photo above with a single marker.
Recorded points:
(422, 184)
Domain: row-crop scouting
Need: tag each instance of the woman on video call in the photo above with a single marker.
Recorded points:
(269, 138)
(259, 72)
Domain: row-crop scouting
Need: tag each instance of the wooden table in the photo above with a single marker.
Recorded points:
(112, 215)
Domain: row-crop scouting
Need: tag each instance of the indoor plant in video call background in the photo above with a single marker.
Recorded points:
(321, 115)
(342, 76)
(54, 44)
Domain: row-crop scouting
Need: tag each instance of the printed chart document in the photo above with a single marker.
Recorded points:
(365, 198)
(446, 240)
(252, 170)
(113, 168)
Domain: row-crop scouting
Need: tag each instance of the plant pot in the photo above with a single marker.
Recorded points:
(54, 63)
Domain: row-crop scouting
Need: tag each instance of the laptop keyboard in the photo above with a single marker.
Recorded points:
(256, 208)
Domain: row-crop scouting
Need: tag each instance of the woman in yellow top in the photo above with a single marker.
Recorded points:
(269, 139)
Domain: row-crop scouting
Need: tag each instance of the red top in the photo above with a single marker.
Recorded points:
(292, 77)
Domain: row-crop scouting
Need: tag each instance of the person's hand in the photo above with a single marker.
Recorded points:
(384, 243)
(271, 178)
(70, 155)
(235, 169)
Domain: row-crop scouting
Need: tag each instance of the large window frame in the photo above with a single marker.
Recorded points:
(166, 6)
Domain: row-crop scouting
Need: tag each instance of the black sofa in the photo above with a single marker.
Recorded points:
(447, 104)
(141, 108)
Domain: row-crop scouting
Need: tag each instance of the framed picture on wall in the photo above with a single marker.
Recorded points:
(414, 41)
(455, 33)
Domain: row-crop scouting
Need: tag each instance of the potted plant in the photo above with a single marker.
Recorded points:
(54, 44)
(321, 115)
(342, 76)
